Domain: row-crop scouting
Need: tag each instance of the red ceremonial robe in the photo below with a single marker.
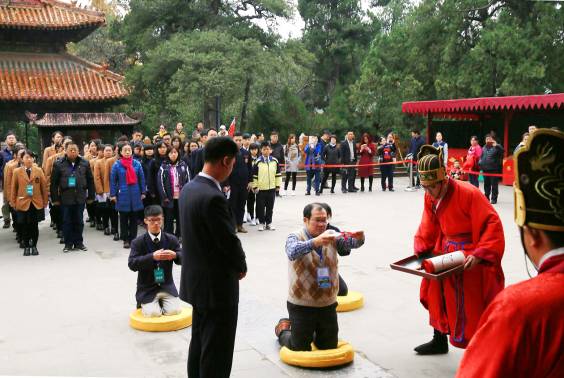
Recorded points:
(521, 334)
(464, 220)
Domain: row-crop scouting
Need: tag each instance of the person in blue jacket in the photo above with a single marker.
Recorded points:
(127, 191)
(172, 177)
(313, 164)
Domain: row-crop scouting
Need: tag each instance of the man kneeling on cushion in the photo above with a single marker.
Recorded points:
(152, 255)
(314, 282)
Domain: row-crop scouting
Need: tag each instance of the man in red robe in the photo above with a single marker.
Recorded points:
(457, 217)
(521, 333)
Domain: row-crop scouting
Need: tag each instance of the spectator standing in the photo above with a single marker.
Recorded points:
(367, 151)
(161, 156)
(277, 151)
(414, 147)
(114, 216)
(491, 163)
(162, 130)
(197, 157)
(472, 161)
(292, 158)
(29, 198)
(127, 190)
(251, 197)
(72, 186)
(213, 262)
(439, 142)
(179, 132)
(172, 177)
(521, 144)
(238, 183)
(313, 162)
(6, 154)
(56, 139)
(266, 182)
(102, 191)
(349, 158)
(387, 155)
(136, 136)
(331, 156)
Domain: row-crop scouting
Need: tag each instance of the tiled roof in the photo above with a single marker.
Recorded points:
(46, 14)
(83, 119)
(56, 77)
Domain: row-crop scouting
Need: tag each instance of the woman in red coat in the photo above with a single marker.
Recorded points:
(366, 150)
(457, 217)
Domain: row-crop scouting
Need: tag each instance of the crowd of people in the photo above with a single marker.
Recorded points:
(114, 182)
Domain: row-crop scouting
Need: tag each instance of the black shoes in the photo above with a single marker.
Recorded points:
(116, 237)
(6, 224)
(34, 251)
(353, 190)
(60, 234)
(27, 251)
(391, 190)
(308, 194)
(344, 191)
(126, 245)
(92, 223)
(107, 231)
(493, 202)
(67, 248)
(439, 345)
(80, 247)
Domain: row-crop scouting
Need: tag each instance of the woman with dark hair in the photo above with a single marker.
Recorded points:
(189, 148)
(172, 177)
(366, 150)
(292, 156)
(176, 142)
(160, 156)
(30, 198)
(127, 191)
(103, 209)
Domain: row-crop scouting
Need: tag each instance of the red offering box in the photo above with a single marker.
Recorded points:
(412, 263)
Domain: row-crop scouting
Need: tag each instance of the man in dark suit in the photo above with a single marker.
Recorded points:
(348, 157)
(152, 255)
(213, 263)
(238, 183)
(197, 157)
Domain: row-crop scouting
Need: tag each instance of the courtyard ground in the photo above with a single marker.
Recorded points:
(67, 314)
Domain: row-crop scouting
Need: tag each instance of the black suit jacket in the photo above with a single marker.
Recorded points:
(141, 260)
(212, 254)
(346, 152)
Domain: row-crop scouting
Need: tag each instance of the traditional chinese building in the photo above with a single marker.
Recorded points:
(41, 83)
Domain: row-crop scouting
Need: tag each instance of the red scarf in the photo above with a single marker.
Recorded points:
(130, 176)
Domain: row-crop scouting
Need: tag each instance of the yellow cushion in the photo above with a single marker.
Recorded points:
(163, 323)
(344, 354)
(352, 301)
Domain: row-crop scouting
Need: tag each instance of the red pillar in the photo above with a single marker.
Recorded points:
(429, 122)
(506, 120)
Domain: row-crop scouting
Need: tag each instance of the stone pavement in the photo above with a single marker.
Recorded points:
(67, 314)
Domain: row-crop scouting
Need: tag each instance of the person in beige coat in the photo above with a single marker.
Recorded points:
(113, 213)
(102, 190)
(8, 176)
(29, 197)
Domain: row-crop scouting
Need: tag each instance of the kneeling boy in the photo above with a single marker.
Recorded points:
(152, 255)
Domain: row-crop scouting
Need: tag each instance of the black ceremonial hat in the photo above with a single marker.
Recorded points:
(539, 181)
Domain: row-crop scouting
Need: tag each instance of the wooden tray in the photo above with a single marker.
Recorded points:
(411, 263)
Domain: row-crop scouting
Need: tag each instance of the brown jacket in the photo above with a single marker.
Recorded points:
(49, 166)
(99, 173)
(47, 153)
(8, 175)
(20, 199)
(109, 163)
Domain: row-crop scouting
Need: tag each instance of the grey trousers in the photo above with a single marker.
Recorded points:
(163, 304)
(6, 212)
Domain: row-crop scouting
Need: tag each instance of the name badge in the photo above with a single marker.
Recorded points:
(159, 275)
(323, 278)
(72, 182)
(29, 189)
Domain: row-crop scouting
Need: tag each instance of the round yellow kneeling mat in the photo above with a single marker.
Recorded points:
(344, 354)
(164, 323)
(352, 301)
